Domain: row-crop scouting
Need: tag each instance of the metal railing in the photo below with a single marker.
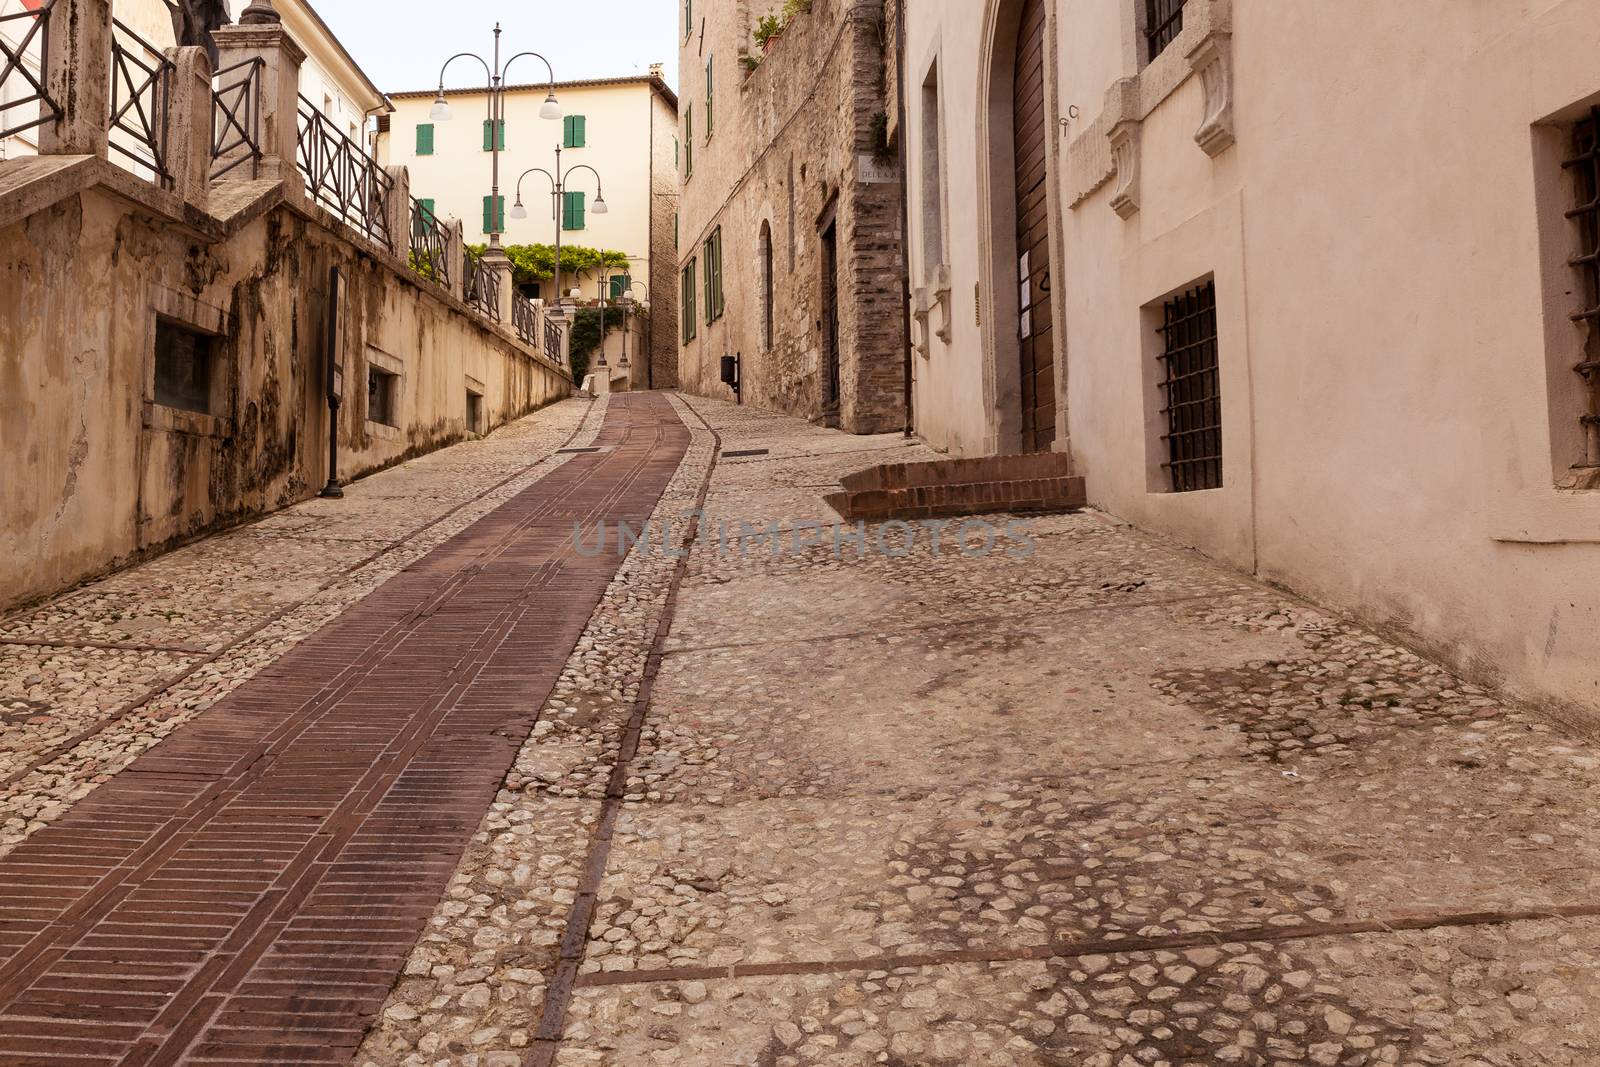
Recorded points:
(552, 340)
(23, 65)
(430, 247)
(141, 97)
(524, 318)
(343, 178)
(481, 289)
(236, 118)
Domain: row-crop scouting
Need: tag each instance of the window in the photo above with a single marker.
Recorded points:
(494, 222)
(688, 141)
(572, 211)
(932, 178)
(185, 361)
(1163, 21)
(1585, 165)
(675, 163)
(419, 224)
(688, 18)
(713, 268)
(382, 401)
(500, 127)
(574, 131)
(1191, 392)
(474, 412)
(711, 96)
(766, 285)
(687, 306)
(620, 285)
(425, 139)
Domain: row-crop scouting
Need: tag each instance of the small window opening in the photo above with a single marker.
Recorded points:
(185, 365)
(1191, 390)
(382, 401)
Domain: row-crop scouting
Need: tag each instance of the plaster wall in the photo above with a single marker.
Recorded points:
(1389, 256)
(95, 473)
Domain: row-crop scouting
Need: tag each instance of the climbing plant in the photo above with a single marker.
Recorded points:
(537, 262)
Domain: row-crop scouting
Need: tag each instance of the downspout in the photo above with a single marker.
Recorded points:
(650, 200)
(905, 204)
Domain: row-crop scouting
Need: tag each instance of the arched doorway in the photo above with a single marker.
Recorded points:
(1035, 342)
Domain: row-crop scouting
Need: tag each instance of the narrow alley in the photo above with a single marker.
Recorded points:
(1050, 793)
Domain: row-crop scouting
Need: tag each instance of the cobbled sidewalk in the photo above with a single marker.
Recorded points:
(1081, 799)
(92, 678)
(1086, 799)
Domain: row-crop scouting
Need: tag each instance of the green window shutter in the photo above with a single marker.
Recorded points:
(572, 211)
(674, 153)
(619, 286)
(688, 141)
(488, 145)
(427, 214)
(574, 131)
(711, 95)
(425, 139)
(495, 223)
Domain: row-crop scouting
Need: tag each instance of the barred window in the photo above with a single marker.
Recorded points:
(1163, 21)
(1191, 390)
(1585, 166)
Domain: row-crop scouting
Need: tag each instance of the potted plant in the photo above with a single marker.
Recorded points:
(768, 29)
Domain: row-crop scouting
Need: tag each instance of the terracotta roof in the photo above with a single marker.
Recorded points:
(581, 83)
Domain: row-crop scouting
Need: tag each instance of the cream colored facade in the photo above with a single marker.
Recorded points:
(1377, 192)
(330, 78)
(628, 127)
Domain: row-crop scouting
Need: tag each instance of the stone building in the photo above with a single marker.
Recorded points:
(1307, 286)
(789, 250)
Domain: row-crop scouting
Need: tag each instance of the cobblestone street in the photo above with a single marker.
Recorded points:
(414, 777)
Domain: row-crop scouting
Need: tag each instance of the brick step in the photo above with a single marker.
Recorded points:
(1031, 482)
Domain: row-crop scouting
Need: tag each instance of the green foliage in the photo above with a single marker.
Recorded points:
(767, 27)
(537, 262)
(791, 8)
(586, 336)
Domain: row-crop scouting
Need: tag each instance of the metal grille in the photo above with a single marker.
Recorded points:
(524, 318)
(236, 118)
(430, 255)
(1585, 166)
(35, 107)
(343, 178)
(141, 98)
(1163, 21)
(552, 341)
(1192, 391)
(480, 288)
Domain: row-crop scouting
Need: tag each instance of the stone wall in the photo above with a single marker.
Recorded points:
(796, 147)
(95, 473)
(661, 369)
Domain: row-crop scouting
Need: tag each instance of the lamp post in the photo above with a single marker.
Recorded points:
(550, 109)
(627, 310)
(558, 190)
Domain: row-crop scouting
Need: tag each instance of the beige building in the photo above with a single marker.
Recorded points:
(1292, 282)
(330, 78)
(622, 128)
(790, 258)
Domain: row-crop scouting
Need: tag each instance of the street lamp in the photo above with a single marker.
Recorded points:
(558, 189)
(550, 109)
(627, 309)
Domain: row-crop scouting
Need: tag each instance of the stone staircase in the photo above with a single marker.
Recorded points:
(1039, 481)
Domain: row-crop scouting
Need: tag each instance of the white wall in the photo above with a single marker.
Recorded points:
(1390, 297)
(457, 176)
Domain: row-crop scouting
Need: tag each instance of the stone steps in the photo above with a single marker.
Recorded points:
(1039, 481)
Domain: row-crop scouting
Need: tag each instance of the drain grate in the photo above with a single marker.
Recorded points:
(577, 451)
(743, 453)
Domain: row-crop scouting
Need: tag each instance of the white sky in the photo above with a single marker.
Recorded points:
(402, 43)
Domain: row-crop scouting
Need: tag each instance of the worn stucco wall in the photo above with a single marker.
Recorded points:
(93, 472)
(1389, 256)
(793, 148)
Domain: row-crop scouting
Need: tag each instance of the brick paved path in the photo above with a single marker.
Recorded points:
(247, 891)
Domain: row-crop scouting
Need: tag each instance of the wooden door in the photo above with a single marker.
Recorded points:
(1036, 353)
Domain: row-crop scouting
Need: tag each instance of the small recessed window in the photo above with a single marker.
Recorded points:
(1584, 165)
(474, 412)
(382, 396)
(185, 366)
(1191, 390)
